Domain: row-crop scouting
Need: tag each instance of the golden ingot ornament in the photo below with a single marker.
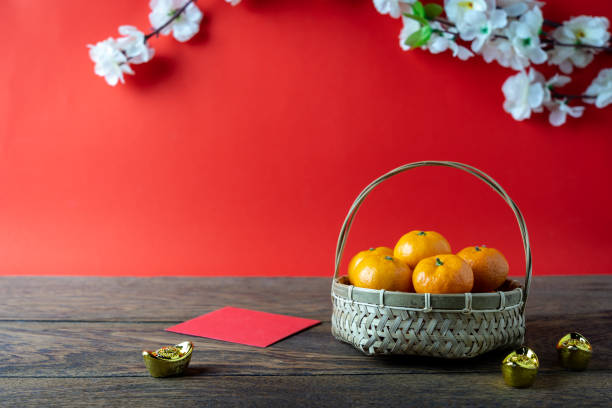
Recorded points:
(574, 351)
(168, 361)
(520, 367)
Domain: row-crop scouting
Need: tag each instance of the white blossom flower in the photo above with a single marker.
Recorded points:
(110, 62)
(459, 11)
(479, 27)
(502, 51)
(133, 45)
(579, 30)
(557, 81)
(524, 93)
(184, 27)
(531, 92)
(515, 8)
(233, 2)
(601, 88)
(443, 41)
(394, 8)
(439, 41)
(475, 20)
(559, 109)
(524, 35)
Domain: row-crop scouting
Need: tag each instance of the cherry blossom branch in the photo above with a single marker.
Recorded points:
(579, 45)
(570, 96)
(176, 15)
(444, 31)
(547, 39)
(451, 24)
(551, 23)
(444, 21)
(114, 57)
(525, 42)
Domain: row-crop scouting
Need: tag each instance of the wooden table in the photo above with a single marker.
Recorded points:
(77, 341)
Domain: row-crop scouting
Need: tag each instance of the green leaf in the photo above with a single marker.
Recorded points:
(418, 9)
(433, 10)
(419, 37)
(417, 18)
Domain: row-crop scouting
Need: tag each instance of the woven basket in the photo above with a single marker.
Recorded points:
(448, 326)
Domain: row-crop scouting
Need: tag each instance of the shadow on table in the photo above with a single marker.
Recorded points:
(197, 370)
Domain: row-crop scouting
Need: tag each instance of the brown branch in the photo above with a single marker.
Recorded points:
(167, 23)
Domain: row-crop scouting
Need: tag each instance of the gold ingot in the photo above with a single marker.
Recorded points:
(520, 367)
(168, 361)
(574, 351)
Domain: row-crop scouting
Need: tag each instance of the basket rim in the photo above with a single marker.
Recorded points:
(427, 302)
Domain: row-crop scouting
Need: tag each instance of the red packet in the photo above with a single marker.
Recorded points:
(243, 326)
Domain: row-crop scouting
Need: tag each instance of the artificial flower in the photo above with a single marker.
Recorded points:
(515, 8)
(524, 35)
(479, 27)
(184, 27)
(439, 41)
(559, 109)
(442, 42)
(524, 93)
(601, 89)
(502, 51)
(557, 81)
(461, 12)
(110, 62)
(394, 8)
(579, 30)
(133, 45)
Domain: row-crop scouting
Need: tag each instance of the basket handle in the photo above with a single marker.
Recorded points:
(348, 221)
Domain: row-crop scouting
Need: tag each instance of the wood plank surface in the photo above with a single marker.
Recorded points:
(398, 390)
(157, 299)
(62, 336)
(44, 349)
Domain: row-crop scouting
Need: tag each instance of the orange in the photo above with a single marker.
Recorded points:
(378, 271)
(489, 265)
(362, 254)
(417, 245)
(443, 274)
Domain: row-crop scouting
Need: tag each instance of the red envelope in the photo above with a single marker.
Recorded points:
(243, 326)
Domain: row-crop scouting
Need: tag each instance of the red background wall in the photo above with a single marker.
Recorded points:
(239, 152)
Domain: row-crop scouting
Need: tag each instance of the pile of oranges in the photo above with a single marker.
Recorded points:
(422, 262)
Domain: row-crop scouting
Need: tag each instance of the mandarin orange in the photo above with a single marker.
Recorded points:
(445, 273)
(417, 245)
(489, 265)
(362, 254)
(378, 271)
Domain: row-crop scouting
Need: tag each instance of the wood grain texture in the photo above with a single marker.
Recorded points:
(398, 390)
(157, 299)
(45, 349)
(61, 337)
(147, 299)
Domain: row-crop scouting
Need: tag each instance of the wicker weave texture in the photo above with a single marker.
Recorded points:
(385, 330)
